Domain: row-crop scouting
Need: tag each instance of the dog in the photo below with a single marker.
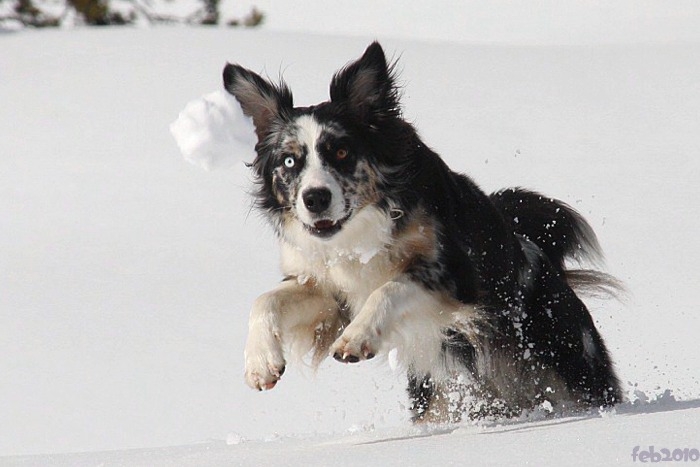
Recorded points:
(384, 247)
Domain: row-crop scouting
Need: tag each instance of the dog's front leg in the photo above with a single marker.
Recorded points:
(288, 313)
(381, 314)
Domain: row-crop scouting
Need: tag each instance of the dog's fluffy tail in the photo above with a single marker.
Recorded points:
(561, 233)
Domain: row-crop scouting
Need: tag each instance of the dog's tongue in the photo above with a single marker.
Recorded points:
(325, 224)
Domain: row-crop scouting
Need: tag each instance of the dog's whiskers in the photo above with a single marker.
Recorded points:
(281, 208)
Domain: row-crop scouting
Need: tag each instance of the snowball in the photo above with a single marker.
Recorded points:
(213, 132)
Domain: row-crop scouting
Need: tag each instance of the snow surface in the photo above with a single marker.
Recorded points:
(126, 274)
(572, 441)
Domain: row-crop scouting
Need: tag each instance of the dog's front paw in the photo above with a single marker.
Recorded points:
(355, 344)
(263, 366)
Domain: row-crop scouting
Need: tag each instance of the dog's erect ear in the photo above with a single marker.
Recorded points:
(368, 86)
(259, 98)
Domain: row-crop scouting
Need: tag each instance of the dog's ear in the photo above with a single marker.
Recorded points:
(368, 86)
(260, 99)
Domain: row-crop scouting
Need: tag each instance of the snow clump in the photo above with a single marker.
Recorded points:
(212, 132)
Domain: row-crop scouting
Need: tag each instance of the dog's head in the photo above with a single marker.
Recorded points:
(321, 165)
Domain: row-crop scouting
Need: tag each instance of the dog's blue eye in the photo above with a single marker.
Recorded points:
(289, 162)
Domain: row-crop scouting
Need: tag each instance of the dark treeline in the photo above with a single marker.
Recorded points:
(31, 13)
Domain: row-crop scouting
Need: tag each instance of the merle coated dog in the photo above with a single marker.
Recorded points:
(385, 247)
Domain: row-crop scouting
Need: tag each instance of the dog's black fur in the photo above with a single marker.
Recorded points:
(505, 254)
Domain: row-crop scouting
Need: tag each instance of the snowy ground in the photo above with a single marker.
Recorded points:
(126, 274)
(572, 441)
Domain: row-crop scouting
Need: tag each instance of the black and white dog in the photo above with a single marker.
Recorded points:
(384, 247)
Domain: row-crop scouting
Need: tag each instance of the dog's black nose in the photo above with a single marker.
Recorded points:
(317, 200)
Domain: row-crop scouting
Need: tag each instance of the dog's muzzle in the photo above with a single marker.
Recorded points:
(318, 201)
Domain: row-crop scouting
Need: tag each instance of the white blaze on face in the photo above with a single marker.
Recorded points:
(316, 176)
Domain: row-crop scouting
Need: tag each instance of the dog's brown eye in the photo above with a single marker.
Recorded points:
(341, 154)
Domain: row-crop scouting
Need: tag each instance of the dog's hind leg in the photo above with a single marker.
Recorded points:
(288, 316)
(565, 339)
(421, 390)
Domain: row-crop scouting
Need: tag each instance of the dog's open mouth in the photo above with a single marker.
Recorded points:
(326, 228)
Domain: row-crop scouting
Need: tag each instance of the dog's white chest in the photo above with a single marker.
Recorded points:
(355, 263)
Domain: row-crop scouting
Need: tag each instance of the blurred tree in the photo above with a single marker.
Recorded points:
(251, 20)
(33, 13)
(29, 14)
(97, 13)
(211, 12)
